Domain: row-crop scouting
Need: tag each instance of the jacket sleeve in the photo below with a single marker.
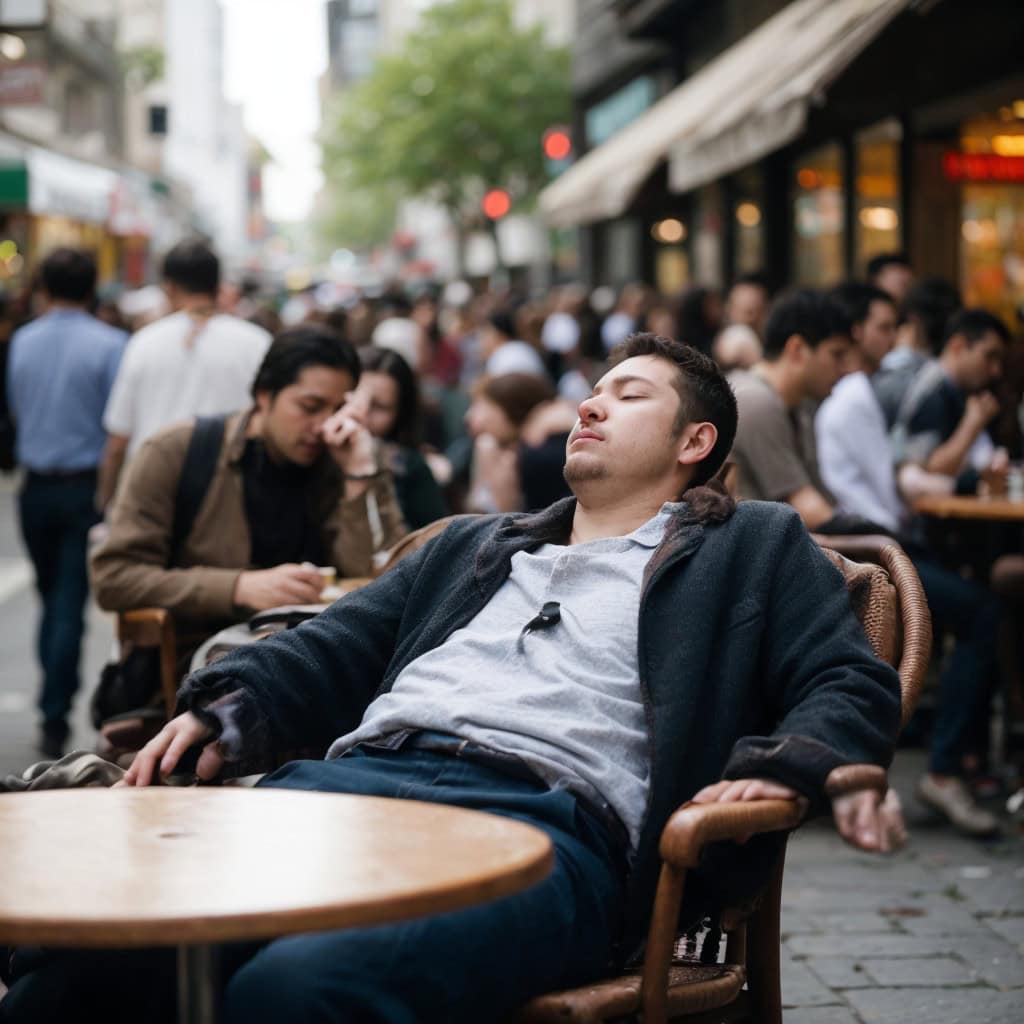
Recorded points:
(300, 689)
(129, 569)
(359, 528)
(833, 700)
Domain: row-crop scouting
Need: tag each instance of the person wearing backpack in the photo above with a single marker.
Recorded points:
(217, 519)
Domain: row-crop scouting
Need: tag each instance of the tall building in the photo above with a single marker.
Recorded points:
(206, 145)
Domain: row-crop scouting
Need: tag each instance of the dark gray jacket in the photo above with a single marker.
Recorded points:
(751, 660)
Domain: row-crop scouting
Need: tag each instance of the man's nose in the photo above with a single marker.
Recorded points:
(589, 409)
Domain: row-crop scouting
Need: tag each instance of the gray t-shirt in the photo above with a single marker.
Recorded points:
(774, 450)
(566, 699)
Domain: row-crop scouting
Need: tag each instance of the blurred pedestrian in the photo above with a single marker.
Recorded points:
(195, 362)
(891, 271)
(504, 352)
(700, 318)
(926, 310)
(626, 317)
(747, 302)
(61, 371)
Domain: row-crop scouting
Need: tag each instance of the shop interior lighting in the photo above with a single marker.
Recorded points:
(879, 218)
(748, 214)
(12, 47)
(669, 231)
(806, 178)
(1018, 109)
(1008, 145)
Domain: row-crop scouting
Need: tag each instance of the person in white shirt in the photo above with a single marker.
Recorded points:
(195, 362)
(851, 432)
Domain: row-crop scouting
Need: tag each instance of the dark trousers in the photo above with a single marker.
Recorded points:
(972, 614)
(57, 513)
(470, 966)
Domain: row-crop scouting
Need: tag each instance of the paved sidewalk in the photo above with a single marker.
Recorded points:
(933, 934)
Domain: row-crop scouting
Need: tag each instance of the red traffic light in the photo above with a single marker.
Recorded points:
(496, 203)
(557, 144)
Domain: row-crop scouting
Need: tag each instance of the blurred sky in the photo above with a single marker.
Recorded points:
(274, 53)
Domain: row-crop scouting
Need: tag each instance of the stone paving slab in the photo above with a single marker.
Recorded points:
(936, 1006)
(800, 987)
(821, 1015)
(916, 973)
(1009, 928)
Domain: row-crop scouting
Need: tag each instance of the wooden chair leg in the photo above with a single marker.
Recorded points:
(764, 978)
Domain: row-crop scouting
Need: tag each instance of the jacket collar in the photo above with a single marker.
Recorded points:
(553, 525)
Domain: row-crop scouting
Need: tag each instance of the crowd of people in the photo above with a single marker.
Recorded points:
(319, 437)
(689, 644)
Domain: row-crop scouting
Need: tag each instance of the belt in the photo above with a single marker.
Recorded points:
(455, 746)
(69, 476)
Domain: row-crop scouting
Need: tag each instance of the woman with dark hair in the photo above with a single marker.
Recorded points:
(388, 395)
(507, 475)
(700, 317)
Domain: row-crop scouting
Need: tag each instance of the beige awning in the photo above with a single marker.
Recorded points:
(745, 103)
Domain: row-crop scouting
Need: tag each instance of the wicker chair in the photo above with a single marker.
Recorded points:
(888, 599)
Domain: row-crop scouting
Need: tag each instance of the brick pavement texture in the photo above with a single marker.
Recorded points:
(932, 934)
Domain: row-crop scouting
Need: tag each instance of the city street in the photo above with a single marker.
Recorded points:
(934, 933)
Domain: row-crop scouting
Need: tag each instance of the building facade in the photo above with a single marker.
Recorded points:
(798, 138)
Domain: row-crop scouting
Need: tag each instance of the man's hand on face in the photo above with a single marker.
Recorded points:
(284, 584)
(862, 817)
(162, 753)
(348, 439)
(981, 408)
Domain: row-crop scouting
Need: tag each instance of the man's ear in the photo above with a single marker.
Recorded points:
(696, 443)
(795, 348)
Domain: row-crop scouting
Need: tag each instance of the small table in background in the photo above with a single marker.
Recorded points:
(194, 867)
(966, 506)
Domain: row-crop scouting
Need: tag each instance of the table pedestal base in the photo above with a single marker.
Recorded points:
(198, 988)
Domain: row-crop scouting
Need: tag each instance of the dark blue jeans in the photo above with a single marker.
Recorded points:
(56, 516)
(972, 614)
(469, 966)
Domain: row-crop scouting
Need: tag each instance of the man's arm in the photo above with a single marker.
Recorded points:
(298, 689)
(811, 506)
(833, 701)
(949, 457)
(110, 469)
(129, 569)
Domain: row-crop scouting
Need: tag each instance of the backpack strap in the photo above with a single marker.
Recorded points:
(200, 464)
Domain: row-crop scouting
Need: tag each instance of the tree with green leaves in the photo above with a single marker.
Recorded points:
(460, 109)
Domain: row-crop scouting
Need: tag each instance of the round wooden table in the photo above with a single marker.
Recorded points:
(192, 867)
(967, 506)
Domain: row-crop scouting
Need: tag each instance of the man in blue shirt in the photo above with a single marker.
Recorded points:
(60, 372)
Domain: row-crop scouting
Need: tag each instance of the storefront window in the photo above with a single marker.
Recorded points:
(878, 222)
(707, 236)
(992, 222)
(748, 217)
(623, 251)
(818, 200)
(671, 264)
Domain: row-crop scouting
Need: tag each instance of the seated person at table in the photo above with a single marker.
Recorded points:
(295, 486)
(853, 449)
(942, 419)
(696, 649)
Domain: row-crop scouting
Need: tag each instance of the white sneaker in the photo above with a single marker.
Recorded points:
(953, 800)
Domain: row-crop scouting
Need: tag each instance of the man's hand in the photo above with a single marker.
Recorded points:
(981, 409)
(739, 790)
(284, 584)
(165, 750)
(347, 438)
(868, 822)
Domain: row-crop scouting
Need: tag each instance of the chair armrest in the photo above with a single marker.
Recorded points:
(693, 825)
